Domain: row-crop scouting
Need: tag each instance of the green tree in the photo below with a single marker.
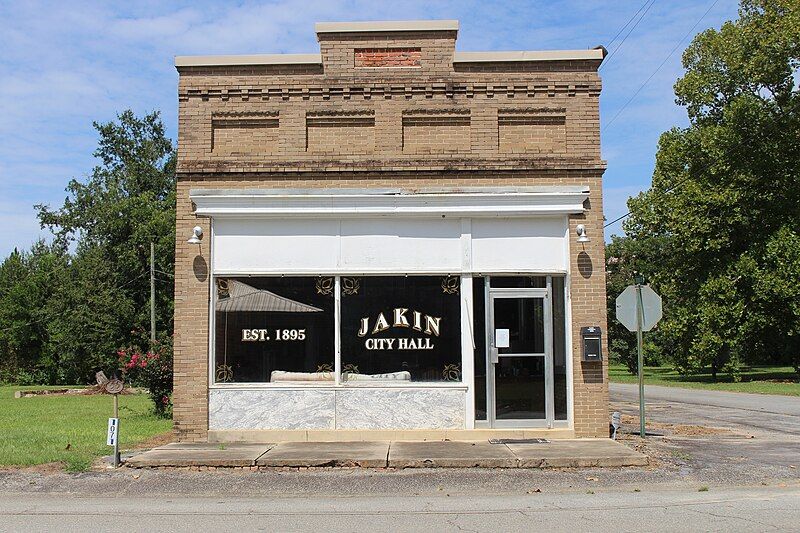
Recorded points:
(66, 307)
(721, 216)
(127, 203)
(27, 283)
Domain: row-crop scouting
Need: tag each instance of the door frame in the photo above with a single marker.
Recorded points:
(490, 294)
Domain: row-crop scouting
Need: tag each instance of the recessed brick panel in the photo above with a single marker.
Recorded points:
(244, 135)
(436, 133)
(532, 132)
(388, 57)
(340, 134)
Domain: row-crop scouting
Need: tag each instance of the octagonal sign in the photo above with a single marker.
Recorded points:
(651, 308)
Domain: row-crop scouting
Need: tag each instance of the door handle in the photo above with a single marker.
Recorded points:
(494, 354)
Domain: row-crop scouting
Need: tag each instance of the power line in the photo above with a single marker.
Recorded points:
(608, 58)
(619, 112)
(626, 24)
(664, 62)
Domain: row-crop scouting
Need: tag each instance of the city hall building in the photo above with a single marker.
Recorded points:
(390, 239)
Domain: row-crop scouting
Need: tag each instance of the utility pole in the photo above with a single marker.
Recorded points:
(152, 295)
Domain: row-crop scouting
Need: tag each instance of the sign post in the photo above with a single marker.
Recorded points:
(114, 387)
(639, 309)
(640, 355)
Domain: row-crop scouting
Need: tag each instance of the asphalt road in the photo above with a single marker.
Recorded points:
(760, 413)
(751, 509)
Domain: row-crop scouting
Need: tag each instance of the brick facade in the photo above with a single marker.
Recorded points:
(387, 109)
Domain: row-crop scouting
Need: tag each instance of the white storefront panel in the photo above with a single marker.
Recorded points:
(519, 244)
(400, 245)
(364, 245)
(274, 234)
(252, 245)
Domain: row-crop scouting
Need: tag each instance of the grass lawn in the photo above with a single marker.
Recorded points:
(757, 379)
(69, 429)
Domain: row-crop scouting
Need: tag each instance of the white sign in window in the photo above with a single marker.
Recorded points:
(502, 338)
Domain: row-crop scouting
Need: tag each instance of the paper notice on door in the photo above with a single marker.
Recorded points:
(501, 338)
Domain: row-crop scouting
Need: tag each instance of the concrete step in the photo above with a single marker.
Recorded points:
(383, 454)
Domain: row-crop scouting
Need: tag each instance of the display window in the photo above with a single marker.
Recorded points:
(273, 329)
(401, 328)
(390, 330)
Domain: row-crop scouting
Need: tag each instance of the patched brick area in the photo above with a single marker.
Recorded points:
(387, 57)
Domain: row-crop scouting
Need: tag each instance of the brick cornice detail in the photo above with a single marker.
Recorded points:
(387, 91)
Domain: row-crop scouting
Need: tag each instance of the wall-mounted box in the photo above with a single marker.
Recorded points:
(591, 338)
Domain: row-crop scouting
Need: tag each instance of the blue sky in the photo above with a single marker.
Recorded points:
(64, 65)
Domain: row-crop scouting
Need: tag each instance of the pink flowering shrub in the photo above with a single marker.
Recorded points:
(151, 369)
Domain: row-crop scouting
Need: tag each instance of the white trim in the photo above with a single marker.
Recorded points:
(549, 382)
(467, 351)
(388, 25)
(298, 203)
(568, 332)
(529, 55)
(212, 315)
(337, 330)
(466, 244)
(459, 57)
(253, 59)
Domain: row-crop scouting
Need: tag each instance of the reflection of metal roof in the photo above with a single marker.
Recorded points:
(243, 297)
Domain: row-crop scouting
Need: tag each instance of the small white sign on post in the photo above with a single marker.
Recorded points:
(113, 430)
(502, 338)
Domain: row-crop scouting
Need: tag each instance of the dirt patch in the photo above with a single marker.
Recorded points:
(658, 457)
(101, 464)
(684, 430)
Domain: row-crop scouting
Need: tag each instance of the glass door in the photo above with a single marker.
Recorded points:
(520, 357)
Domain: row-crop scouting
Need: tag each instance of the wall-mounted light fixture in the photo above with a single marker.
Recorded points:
(197, 235)
(581, 231)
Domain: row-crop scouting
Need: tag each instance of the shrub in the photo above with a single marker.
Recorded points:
(151, 369)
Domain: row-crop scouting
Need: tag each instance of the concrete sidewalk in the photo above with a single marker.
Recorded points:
(429, 454)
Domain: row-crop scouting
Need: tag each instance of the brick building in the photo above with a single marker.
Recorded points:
(389, 239)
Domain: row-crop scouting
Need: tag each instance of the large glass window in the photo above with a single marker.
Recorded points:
(393, 329)
(401, 328)
(274, 329)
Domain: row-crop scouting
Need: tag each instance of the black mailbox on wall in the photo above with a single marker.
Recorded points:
(592, 345)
